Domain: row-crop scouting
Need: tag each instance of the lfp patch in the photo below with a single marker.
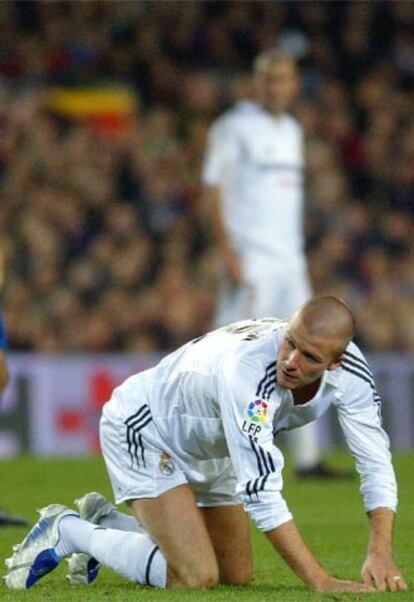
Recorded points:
(257, 411)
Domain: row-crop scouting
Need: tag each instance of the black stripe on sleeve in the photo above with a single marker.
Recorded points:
(370, 381)
(270, 391)
(131, 423)
(129, 444)
(359, 374)
(270, 385)
(269, 369)
(272, 466)
(259, 463)
(256, 484)
(141, 426)
(264, 482)
(137, 414)
(135, 435)
(264, 459)
(360, 360)
(141, 445)
(358, 365)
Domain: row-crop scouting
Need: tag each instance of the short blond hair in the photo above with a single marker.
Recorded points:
(272, 56)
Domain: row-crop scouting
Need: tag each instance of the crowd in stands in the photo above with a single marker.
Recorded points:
(105, 233)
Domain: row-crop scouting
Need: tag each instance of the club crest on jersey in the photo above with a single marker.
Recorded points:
(256, 415)
(166, 464)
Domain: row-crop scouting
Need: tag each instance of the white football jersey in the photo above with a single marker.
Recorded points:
(218, 396)
(257, 160)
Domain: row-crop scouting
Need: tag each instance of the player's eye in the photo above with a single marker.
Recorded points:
(289, 343)
(312, 358)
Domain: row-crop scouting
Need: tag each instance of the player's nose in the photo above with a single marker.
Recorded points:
(292, 359)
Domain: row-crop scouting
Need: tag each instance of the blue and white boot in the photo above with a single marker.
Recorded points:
(36, 556)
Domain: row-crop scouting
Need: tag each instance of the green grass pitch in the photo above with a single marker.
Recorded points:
(330, 516)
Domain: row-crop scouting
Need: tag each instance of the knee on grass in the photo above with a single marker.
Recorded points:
(237, 578)
(196, 578)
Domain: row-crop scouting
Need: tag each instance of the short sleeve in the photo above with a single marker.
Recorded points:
(223, 151)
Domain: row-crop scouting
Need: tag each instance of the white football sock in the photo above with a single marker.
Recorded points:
(119, 520)
(133, 555)
(74, 535)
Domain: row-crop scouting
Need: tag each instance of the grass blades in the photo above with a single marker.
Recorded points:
(329, 514)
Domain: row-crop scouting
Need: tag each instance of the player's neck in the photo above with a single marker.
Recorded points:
(273, 112)
(306, 393)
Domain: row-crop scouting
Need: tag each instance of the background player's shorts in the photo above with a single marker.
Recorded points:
(140, 467)
(270, 287)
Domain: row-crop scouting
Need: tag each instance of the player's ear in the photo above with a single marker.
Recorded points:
(335, 363)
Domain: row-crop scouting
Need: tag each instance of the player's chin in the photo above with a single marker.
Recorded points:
(288, 382)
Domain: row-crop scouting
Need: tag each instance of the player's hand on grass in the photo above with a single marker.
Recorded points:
(330, 584)
(381, 572)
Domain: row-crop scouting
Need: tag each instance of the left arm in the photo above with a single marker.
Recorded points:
(379, 568)
(360, 419)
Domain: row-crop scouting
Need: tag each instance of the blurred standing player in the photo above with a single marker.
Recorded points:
(253, 174)
(5, 519)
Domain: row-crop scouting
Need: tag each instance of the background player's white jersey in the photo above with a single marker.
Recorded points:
(257, 160)
(218, 396)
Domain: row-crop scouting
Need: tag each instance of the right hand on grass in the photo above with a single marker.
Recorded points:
(338, 585)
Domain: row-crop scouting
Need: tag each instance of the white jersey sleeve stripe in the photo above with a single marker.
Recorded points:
(360, 360)
(270, 386)
(376, 397)
(258, 457)
(357, 363)
(258, 485)
(270, 372)
(263, 458)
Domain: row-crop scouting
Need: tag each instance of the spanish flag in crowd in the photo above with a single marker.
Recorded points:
(106, 109)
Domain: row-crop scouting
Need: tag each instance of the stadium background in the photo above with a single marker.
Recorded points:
(104, 109)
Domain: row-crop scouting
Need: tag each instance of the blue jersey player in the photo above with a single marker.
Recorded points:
(5, 518)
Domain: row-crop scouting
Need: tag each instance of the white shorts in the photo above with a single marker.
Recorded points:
(269, 288)
(140, 467)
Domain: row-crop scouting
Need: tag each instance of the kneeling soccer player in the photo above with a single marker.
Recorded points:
(189, 445)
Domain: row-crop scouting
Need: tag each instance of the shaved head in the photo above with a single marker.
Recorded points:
(327, 317)
(315, 340)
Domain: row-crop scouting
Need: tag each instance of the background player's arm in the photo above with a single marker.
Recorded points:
(221, 159)
(214, 202)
